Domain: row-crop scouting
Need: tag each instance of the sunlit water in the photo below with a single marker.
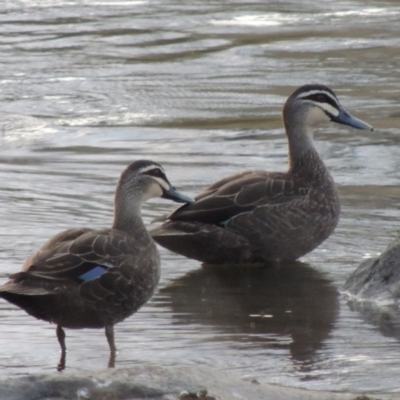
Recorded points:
(87, 87)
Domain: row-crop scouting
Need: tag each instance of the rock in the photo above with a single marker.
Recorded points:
(377, 279)
(374, 291)
(153, 383)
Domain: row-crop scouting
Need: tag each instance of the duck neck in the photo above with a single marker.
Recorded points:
(127, 212)
(304, 159)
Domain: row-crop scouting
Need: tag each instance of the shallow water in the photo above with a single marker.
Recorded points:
(87, 87)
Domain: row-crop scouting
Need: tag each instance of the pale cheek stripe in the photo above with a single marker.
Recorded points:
(328, 108)
(161, 182)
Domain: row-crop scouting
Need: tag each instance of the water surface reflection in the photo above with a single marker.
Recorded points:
(258, 305)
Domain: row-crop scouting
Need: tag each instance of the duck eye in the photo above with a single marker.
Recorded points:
(157, 172)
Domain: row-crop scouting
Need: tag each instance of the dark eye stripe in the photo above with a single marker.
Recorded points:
(322, 98)
(156, 172)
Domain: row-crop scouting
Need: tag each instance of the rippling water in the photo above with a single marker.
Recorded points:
(88, 86)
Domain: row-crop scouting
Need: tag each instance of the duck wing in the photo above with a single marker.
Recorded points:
(237, 194)
(97, 261)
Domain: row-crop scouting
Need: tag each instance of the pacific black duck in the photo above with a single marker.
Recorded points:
(259, 216)
(87, 278)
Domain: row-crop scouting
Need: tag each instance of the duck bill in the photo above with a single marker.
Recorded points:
(172, 194)
(347, 119)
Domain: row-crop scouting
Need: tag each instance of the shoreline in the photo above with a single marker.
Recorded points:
(159, 383)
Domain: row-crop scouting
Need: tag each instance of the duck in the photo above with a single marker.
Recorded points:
(260, 216)
(96, 278)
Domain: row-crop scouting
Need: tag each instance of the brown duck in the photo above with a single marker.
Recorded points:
(259, 216)
(87, 278)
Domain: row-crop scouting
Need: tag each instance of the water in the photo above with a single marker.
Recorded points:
(88, 86)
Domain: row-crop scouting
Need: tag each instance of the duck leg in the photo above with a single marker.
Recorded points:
(113, 350)
(61, 339)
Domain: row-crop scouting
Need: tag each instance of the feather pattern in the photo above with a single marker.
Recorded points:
(259, 216)
(87, 278)
(97, 255)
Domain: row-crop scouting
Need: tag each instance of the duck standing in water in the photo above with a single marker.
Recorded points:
(87, 278)
(260, 216)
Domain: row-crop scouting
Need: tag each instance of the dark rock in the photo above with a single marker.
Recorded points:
(377, 279)
(374, 291)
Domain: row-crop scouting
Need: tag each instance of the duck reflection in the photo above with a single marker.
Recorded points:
(254, 304)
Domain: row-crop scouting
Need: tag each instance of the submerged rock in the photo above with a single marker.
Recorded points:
(377, 279)
(374, 291)
(153, 383)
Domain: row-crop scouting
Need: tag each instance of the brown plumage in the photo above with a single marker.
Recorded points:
(259, 216)
(86, 278)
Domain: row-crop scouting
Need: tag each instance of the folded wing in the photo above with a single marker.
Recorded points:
(239, 194)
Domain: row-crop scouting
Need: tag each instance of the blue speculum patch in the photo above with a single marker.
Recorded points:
(93, 273)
